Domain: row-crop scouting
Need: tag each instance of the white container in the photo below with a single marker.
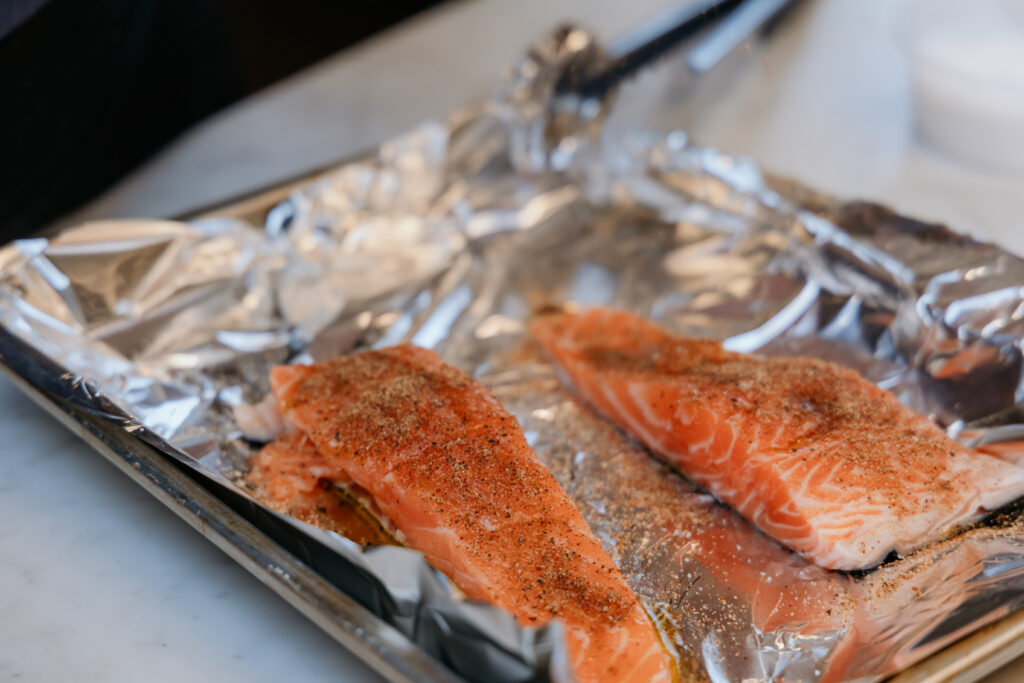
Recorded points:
(966, 60)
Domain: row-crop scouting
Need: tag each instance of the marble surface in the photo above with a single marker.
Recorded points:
(99, 582)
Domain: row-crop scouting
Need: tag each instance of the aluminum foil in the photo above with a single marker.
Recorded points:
(451, 237)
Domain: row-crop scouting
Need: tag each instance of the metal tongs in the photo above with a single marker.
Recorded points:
(722, 26)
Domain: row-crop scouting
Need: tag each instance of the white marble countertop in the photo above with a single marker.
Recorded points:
(99, 582)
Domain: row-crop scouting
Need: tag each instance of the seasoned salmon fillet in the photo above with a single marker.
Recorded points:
(451, 470)
(815, 456)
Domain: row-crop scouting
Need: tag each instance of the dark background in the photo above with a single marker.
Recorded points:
(91, 88)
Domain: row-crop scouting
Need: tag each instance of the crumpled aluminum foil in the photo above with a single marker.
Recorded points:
(451, 237)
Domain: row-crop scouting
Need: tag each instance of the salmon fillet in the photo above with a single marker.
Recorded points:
(815, 456)
(451, 470)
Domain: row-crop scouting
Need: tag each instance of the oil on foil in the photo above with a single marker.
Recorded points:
(451, 237)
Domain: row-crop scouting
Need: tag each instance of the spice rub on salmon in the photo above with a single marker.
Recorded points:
(451, 470)
(815, 456)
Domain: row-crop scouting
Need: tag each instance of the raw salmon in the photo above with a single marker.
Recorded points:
(815, 456)
(451, 470)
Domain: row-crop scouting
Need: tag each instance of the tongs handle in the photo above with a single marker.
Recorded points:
(749, 18)
(737, 20)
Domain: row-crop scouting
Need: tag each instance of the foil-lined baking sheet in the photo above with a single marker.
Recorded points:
(451, 237)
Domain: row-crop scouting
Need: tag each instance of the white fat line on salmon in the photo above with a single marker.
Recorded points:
(636, 393)
(637, 414)
(684, 415)
(634, 426)
(704, 446)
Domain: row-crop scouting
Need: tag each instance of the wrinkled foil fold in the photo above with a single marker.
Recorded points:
(451, 237)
